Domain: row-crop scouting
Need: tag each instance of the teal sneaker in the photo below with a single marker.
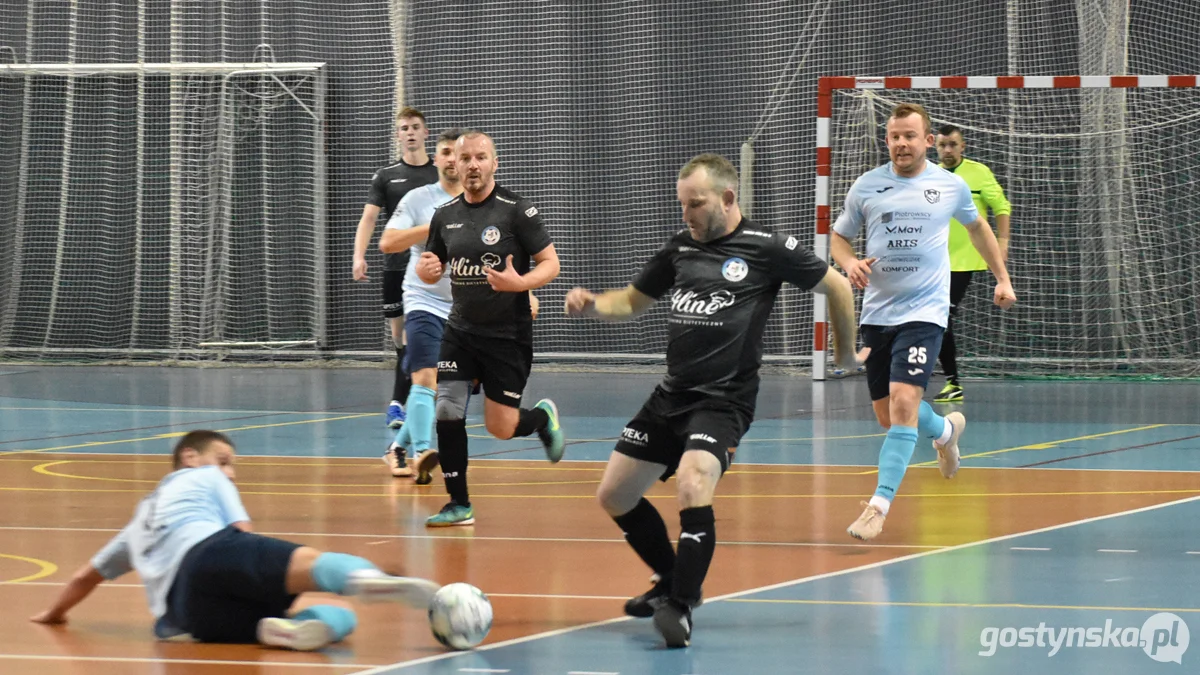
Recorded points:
(552, 435)
(452, 514)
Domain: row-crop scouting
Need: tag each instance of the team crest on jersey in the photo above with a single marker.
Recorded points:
(735, 269)
(933, 196)
(491, 235)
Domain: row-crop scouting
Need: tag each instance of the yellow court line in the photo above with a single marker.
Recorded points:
(960, 605)
(45, 569)
(45, 471)
(1049, 444)
(177, 434)
(392, 495)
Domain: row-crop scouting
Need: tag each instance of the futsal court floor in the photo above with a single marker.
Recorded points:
(1077, 507)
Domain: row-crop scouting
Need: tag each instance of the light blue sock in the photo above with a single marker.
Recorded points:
(404, 436)
(340, 620)
(893, 460)
(421, 407)
(931, 424)
(331, 569)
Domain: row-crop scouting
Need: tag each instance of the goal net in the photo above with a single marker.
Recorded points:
(165, 211)
(1101, 175)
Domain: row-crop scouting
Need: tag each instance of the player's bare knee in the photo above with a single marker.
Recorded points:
(697, 480)
(502, 428)
(614, 500)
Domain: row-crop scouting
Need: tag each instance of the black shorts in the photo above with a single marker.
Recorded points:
(669, 425)
(393, 294)
(501, 365)
(958, 289)
(227, 583)
(904, 353)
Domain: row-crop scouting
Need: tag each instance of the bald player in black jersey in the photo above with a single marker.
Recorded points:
(488, 238)
(723, 273)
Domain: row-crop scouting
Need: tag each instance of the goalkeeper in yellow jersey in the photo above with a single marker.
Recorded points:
(964, 259)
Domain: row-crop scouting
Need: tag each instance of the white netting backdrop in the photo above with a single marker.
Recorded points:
(1106, 213)
(594, 107)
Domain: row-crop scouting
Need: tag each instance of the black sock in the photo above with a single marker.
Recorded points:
(949, 356)
(697, 541)
(530, 421)
(403, 382)
(647, 533)
(452, 453)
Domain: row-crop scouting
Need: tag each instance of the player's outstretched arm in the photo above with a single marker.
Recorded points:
(859, 271)
(841, 313)
(985, 242)
(86, 579)
(616, 305)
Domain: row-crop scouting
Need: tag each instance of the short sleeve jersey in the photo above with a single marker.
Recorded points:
(907, 222)
(470, 238)
(721, 293)
(417, 209)
(187, 507)
(388, 187)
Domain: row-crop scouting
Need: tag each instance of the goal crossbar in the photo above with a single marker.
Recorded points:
(826, 86)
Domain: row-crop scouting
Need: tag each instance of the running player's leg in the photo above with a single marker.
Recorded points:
(424, 332)
(647, 451)
(948, 354)
(458, 367)
(910, 348)
(504, 377)
(393, 311)
(711, 437)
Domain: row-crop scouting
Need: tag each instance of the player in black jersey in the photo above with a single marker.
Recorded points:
(724, 273)
(388, 187)
(488, 238)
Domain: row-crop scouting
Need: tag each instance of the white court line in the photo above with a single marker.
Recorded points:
(1116, 550)
(590, 672)
(451, 537)
(483, 670)
(383, 670)
(202, 662)
(367, 459)
(1027, 548)
(198, 411)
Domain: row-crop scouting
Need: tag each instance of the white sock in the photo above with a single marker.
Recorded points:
(880, 503)
(947, 432)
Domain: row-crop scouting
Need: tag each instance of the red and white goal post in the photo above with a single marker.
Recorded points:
(1109, 154)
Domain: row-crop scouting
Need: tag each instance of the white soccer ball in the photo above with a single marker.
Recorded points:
(460, 616)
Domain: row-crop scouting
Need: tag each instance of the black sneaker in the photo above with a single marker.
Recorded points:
(643, 606)
(673, 620)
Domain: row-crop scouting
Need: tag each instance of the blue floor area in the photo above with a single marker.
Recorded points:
(947, 611)
(138, 429)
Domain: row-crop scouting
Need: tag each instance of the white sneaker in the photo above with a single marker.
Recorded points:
(948, 455)
(869, 524)
(375, 586)
(399, 468)
(302, 636)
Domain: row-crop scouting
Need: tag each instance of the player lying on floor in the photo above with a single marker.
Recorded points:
(207, 575)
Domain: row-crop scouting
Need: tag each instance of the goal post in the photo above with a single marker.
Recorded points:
(165, 210)
(1102, 173)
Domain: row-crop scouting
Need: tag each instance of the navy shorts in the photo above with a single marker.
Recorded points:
(904, 353)
(227, 583)
(424, 331)
(669, 424)
(393, 294)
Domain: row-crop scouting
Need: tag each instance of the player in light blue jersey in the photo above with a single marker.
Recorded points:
(426, 309)
(208, 576)
(906, 207)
